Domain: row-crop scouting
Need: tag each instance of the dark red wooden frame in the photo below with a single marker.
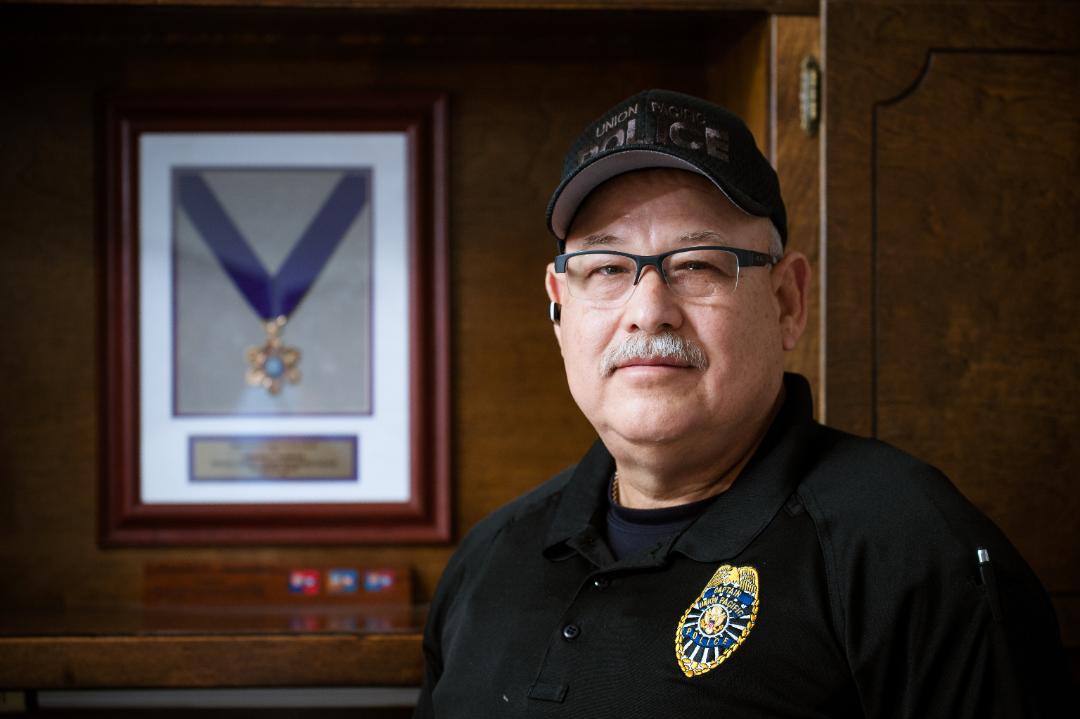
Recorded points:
(125, 519)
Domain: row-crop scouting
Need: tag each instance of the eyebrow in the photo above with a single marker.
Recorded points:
(708, 236)
(600, 240)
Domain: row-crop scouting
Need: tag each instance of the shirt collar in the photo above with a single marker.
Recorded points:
(730, 523)
(738, 515)
(582, 503)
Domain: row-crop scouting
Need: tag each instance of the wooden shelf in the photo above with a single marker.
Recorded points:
(137, 648)
(792, 7)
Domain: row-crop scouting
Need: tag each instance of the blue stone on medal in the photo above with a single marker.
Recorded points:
(273, 364)
(274, 367)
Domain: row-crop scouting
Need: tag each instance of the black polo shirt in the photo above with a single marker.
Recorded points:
(836, 577)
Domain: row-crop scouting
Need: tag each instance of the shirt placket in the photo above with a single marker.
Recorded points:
(577, 634)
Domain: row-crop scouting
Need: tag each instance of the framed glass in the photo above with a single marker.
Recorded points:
(276, 309)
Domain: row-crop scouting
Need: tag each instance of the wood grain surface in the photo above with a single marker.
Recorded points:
(772, 6)
(952, 214)
(520, 87)
(218, 660)
(796, 156)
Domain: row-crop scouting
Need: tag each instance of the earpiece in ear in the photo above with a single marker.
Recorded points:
(555, 312)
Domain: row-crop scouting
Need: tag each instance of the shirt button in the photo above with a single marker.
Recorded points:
(570, 632)
(601, 582)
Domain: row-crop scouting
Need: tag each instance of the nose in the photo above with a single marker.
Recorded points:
(652, 306)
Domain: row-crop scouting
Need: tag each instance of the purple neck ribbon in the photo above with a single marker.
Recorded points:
(277, 295)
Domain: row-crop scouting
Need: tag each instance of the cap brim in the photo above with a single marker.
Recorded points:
(573, 191)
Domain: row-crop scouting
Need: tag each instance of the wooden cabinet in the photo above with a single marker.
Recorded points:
(945, 232)
(951, 219)
(520, 84)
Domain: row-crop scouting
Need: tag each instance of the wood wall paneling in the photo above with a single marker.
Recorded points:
(773, 6)
(739, 74)
(520, 86)
(796, 156)
(952, 213)
(976, 258)
(211, 661)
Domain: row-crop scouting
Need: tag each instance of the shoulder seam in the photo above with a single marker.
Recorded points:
(813, 510)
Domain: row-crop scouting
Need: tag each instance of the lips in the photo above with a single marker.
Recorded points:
(652, 362)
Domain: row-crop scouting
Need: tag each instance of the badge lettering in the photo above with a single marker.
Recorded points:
(683, 135)
(618, 137)
(686, 128)
(717, 143)
(718, 621)
(677, 126)
(616, 120)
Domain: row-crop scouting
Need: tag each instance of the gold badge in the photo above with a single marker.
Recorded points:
(718, 621)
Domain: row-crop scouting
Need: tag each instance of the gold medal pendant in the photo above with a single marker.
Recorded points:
(718, 621)
(273, 364)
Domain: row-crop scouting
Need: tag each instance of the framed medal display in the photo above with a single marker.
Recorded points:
(275, 302)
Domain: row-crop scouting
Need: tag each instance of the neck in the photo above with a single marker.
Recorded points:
(652, 477)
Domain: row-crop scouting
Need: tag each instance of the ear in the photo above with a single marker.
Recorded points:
(791, 288)
(554, 292)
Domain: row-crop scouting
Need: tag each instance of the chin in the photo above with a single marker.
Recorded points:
(652, 423)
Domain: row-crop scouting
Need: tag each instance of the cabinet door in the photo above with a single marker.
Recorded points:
(952, 228)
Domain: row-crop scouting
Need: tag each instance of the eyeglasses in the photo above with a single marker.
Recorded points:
(609, 277)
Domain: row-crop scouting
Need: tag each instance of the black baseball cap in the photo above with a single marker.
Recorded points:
(661, 128)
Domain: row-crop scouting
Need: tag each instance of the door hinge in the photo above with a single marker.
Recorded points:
(809, 95)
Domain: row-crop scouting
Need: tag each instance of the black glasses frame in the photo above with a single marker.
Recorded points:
(745, 258)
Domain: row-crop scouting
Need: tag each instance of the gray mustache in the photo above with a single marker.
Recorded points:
(662, 346)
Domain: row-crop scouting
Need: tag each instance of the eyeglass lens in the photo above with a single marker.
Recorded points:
(690, 273)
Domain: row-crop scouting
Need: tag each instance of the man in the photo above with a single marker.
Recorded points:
(717, 552)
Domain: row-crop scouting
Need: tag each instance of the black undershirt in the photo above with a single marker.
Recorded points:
(632, 531)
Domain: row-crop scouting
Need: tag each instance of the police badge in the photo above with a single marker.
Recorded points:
(718, 621)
